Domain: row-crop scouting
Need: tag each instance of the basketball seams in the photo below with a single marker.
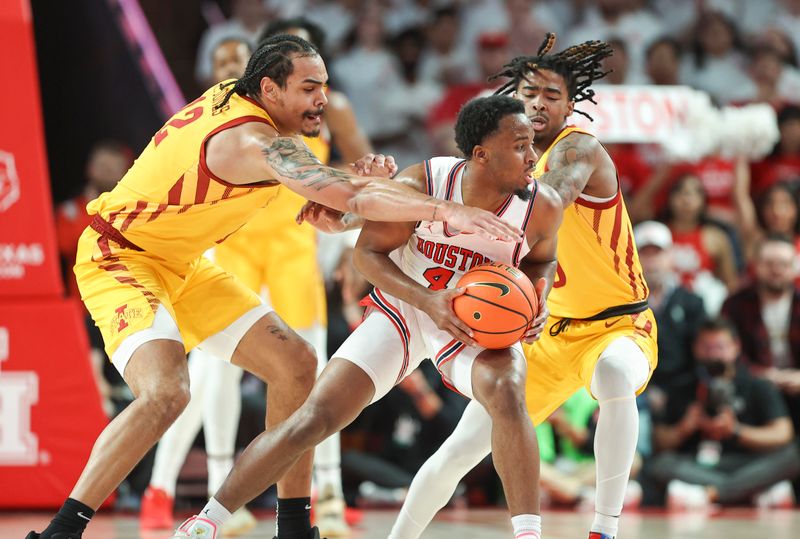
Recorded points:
(482, 300)
(490, 269)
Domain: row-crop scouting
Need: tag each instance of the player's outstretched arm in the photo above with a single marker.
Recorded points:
(371, 258)
(331, 221)
(540, 263)
(570, 165)
(251, 153)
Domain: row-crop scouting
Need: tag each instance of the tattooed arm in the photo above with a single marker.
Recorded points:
(252, 154)
(571, 164)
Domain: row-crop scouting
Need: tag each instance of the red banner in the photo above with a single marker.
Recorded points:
(50, 411)
(28, 260)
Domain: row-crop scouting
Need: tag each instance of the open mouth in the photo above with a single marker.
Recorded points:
(539, 123)
(315, 116)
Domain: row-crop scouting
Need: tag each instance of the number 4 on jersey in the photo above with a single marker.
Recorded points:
(438, 277)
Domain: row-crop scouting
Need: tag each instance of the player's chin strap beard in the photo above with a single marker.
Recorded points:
(611, 312)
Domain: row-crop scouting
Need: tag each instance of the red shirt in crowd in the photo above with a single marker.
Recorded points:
(772, 170)
(690, 256)
(71, 220)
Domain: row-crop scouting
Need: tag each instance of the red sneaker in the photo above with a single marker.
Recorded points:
(156, 512)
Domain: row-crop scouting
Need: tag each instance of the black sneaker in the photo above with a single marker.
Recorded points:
(314, 534)
(59, 535)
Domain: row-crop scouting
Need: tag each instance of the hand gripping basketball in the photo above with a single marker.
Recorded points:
(499, 304)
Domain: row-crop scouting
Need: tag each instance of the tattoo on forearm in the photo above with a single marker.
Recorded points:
(292, 159)
(568, 164)
(278, 333)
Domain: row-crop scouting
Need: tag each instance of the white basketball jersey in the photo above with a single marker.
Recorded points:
(436, 256)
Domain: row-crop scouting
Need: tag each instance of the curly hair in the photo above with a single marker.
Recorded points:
(481, 117)
(579, 65)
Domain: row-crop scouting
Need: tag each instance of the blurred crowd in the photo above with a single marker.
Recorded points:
(719, 238)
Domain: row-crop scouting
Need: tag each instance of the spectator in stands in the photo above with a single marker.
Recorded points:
(525, 29)
(766, 314)
(247, 19)
(411, 100)
(728, 438)
(784, 161)
(703, 252)
(493, 53)
(107, 163)
(443, 62)
(776, 82)
(718, 63)
(678, 311)
(663, 60)
(788, 20)
(776, 212)
(627, 20)
(776, 39)
(618, 64)
(229, 58)
(366, 73)
(717, 174)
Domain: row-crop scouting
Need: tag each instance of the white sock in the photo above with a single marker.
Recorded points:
(605, 524)
(215, 512)
(435, 482)
(327, 466)
(176, 442)
(527, 526)
(222, 405)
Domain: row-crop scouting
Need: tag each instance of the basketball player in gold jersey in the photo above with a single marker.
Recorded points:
(154, 297)
(601, 333)
(277, 258)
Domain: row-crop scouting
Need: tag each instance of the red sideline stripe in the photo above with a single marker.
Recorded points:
(399, 323)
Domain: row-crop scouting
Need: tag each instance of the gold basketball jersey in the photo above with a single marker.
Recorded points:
(169, 203)
(598, 265)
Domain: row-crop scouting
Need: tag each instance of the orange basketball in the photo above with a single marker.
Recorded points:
(499, 304)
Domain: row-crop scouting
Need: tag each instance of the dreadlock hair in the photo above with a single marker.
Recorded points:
(579, 65)
(272, 59)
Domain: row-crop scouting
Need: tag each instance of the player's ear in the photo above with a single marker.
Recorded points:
(269, 90)
(570, 107)
(479, 153)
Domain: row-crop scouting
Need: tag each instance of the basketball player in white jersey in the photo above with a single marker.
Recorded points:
(601, 334)
(415, 267)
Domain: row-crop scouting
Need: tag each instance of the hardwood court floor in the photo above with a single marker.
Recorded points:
(483, 524)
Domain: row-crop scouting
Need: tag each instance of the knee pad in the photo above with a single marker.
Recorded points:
(621, 370)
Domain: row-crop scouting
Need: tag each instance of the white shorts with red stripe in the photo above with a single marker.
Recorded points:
(395, 338)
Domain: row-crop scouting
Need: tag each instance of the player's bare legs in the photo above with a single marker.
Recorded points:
(276, 354)
(159, 378)
(341, 393)
(498, 383)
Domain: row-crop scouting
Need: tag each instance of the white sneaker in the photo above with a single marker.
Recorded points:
(196, 526)
(778, 496)
(240, 522)
(329, 515)
(682, 495)
(633, 495)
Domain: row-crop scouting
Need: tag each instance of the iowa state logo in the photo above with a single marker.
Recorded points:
(123, 316)
(9, 181)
